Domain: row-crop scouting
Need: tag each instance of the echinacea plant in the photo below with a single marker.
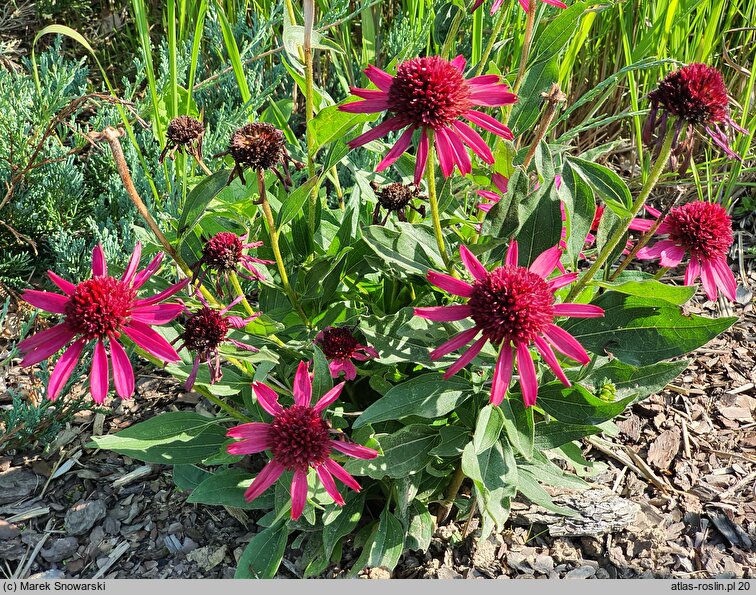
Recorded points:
(458, 388)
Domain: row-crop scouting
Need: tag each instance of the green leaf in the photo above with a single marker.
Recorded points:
(188, 477)
(420, 529)
(404, 453)
(340, 521)
(169, 438)
(503, 220)
(487, 429)
(494, 476)
(575, 405)
(642, 331)
(554, 433)
(530, 488)
(638, 382)
(385, 546)
(263, 555)
(201, 196)
(538, 79)
(518, 423)
(427, 395)
(292, 204)
(548, 473)
(409, 251)
(322, 381)
(226, 488)
(541, 224)
(651, 288)
(453, 440)
(606, 184)
(551, 41)
(580, 206)
(331, 124)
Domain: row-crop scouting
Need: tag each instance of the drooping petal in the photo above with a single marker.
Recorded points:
(66, 286)
(693, 271)
(578, 310)
(368, 93)
(267, 398)
(298, 493)
(151, 341)
(330, 486)
(546, 262)
(158, 314)
(454, 343)
(394, 123)
(354, 450)
(562, 281)
(473, 140)
(422, 156)
(341, 474)
(444, 313)
(365, 106)
(266, 478)
(345, 365)
(512, 255)
(566, 344)
(486, 79)
(459, 153)
(638, 224)
(492, 96)
(556, 3)
(724, 278)
(378, 77)
(708, 280)
(672, 256)
(548, 356)
(123, 373)
(466, 358)
(528, 380)
(450, 284)
(501, 182)
(328, 398)
(445, 153)
(128, 274)
(397, 150)
(42, 345)
(303, 385)
(48, 301)
(472, 263)
(163, 295)
(142, 276)
(488, 123)
(502, 374)
(99, 378)
(63, 369)
(99, 266)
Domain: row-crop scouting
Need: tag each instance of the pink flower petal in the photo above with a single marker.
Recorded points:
(99, 266)
(724, 278)
(164, 295)
(368, 93)
(298, 493)
(266, 478)
(444, 313)
(546, 262)
(492, 96)
(445, 153)
(488, 123)
(354, 450)
(303, 385)
(251, 430)
(366, 106)
(566, 344)
(142, 276)
(63, 369)
(421, 159)
(397, 150)
(671, 256)
(578, 310)
(512, 255)
(501, 182)
(450, 284)
(159, 314)
(693, 271)
(267, 398)
(466, 358)
(528, 380)
(641, 224)
(330, 486)
(128, 274)
(330, 397)
(50, 302)
(123, 374)
(473, 265)
(656, 213)
(394, 123)
(341, 474)
(548, 356)
(66, 286)
(460, 154)
(454, 343)
(485, 79)
(502, 374)
(255, 438)
(459, 63)
(556, 3)
(45, 343)
(561, 281)
(345, 365)
(99, 378)
(379, 78)
(151, 341)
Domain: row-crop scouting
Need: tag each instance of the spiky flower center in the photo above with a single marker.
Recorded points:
(223, 251)
(184, 129)
(338, 343)
(429, 91)
(100, 307)
(205, 330)
(703, 228)
(258, 145)
(696, 93)
(512, 305)
(395, 197)
(299, 438)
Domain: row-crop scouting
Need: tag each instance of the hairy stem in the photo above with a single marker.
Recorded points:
(611, 244)
(451, 36)
(435, 215)
(451, 493)
(491, 42)
(553, 98)
(526, 43)
(309, 19)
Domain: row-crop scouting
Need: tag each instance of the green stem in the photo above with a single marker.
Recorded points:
(526, 43)
(611, 244)
(223, 405)
(660, 273)
(309, 18)
(239, 292)
(451, 36)
(435, 215)
(451, 493)
(273, 232)
(491, 41)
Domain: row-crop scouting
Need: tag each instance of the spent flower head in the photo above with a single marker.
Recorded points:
(184, 135)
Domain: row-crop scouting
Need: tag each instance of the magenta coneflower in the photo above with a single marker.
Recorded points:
(697, 96)
(298, 438)
(524, 3)
(702, 229)
(340, 346)
(204, 331)
(224, 253)
(432, 94)
(511, 307)
(101, 309)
